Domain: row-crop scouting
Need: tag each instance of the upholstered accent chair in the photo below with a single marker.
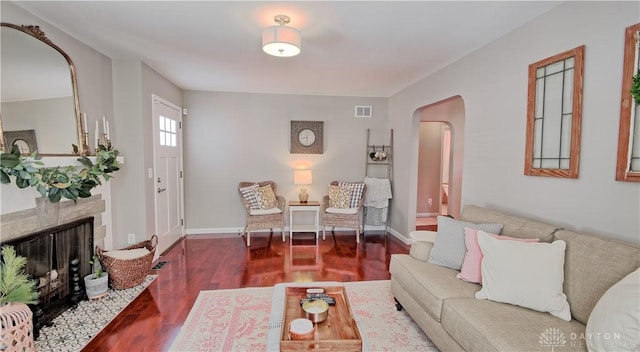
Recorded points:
(265, 209)
(335, 212)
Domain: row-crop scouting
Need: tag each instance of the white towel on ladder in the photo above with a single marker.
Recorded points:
(376, 199)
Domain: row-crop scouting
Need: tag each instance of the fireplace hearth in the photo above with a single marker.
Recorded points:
(57, 259)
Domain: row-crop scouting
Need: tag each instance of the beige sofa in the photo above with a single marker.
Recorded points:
(446, 309)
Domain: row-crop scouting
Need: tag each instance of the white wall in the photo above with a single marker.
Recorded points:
(133, 201)
(233, 137)
(493, 83)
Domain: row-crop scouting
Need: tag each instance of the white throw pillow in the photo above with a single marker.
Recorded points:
(126, 254)
(614, 323)
(529, 275)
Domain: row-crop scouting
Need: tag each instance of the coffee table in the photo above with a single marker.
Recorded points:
(278, 320)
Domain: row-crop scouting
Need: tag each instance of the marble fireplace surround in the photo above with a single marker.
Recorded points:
(24, 222)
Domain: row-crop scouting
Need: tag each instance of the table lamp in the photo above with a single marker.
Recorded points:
(302, 177)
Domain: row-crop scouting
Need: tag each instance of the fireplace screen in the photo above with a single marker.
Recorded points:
(49, 254)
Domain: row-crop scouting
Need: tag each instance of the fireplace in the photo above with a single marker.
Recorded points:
(57, 259)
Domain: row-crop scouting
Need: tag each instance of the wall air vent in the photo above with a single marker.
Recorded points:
(364, 111)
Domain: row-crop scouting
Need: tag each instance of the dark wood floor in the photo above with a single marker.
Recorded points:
(208, 262)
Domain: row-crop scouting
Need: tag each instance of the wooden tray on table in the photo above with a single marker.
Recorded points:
(339, 332)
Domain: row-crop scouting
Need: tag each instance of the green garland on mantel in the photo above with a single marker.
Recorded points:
(58, 182)
(635, 88)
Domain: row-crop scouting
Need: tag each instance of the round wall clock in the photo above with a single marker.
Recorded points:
(306, 137)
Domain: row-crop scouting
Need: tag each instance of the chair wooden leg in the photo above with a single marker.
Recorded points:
(283, 235)
(358, 235)
(323, 232)
(248, 238)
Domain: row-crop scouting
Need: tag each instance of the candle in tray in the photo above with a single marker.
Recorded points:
(107, 131)
(85, 126)
(301, 329)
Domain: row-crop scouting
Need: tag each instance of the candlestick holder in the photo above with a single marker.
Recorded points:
(107, 142)
(85, 144)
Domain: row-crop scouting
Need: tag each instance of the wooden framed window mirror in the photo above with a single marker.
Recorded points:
(554, 115)
(628, 160)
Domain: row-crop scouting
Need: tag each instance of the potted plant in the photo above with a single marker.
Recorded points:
(16, 291)
(15, 286)
(96, 284)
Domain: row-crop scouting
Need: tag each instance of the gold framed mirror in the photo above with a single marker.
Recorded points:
(39, 92)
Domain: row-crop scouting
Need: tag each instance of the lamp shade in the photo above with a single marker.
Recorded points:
(302, 177)
(280, 40)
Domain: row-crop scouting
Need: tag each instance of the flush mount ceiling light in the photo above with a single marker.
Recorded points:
(279, 40)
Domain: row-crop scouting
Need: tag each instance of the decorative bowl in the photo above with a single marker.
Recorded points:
(316, 310)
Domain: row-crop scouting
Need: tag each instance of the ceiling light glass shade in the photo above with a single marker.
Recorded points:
(281, 41)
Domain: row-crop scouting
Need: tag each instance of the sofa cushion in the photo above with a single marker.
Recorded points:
(614, 324)
(592, 265)
(525, 274)
(471, 265)
(429, 284)
(420, 250)
(513, 226)
(265, 211)
(347, 211)
(479, 325)
(449, 248)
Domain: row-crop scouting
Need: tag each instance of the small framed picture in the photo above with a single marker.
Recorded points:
(25, 141)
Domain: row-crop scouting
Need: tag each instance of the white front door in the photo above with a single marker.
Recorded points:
(167, 141)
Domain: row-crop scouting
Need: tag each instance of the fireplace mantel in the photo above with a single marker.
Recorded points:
(19, 214)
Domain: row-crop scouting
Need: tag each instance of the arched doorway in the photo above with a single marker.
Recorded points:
(439, 181)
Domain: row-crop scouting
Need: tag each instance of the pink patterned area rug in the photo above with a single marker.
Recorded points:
(238, 320)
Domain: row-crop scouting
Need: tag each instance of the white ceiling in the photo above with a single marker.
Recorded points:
(357, 48)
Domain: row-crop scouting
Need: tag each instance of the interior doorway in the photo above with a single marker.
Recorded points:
(439, 170)
(445, 168)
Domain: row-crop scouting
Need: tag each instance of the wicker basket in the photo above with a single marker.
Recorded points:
(131, 272)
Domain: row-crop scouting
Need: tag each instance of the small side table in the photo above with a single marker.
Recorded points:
(296, 206)
(423, 236)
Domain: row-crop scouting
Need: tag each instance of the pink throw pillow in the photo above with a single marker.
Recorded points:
(473, 257)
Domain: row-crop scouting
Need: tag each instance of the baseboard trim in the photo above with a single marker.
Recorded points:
(399, 236)
(216, 230)
(426, 215)
(228, 231)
